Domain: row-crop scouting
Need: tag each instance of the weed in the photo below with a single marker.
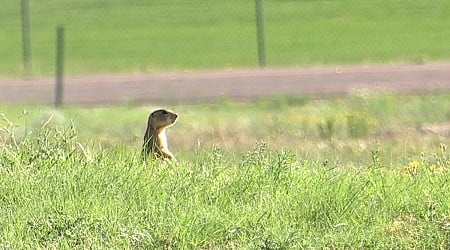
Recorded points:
(327, 130)
(75, 231)
(436, 163)
(359, 124)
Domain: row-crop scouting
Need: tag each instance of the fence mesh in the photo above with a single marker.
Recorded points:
(145, 36)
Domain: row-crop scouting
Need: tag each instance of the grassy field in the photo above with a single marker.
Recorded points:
(370, 171)
(139, 36)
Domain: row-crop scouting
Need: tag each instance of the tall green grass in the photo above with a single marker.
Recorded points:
(74, 178)
(57, 193)
(141, 36)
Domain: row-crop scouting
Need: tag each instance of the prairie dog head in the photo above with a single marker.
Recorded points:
(162, 118)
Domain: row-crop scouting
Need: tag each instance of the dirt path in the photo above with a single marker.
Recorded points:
(188, 87)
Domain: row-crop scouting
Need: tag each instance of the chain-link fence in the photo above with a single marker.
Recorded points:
(126, 36)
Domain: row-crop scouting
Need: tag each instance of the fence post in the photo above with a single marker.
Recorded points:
(59, 65)
(260, 32)
(26, 39)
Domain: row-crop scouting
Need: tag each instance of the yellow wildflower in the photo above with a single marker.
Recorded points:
(412, 167)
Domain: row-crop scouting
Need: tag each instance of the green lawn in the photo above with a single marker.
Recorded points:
(140, 36)
(370, 171)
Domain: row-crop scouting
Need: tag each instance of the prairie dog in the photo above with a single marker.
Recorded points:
(155, 140)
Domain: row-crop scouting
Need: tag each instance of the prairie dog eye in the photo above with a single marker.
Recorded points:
(164, 112)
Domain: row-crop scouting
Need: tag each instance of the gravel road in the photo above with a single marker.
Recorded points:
(189, 87)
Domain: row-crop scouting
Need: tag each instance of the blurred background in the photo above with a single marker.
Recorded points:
(107, 38)
(129, 36)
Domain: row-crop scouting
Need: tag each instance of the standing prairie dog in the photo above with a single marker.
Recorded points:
(155, 140)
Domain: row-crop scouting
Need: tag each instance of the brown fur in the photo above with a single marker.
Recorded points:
(155, 140)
